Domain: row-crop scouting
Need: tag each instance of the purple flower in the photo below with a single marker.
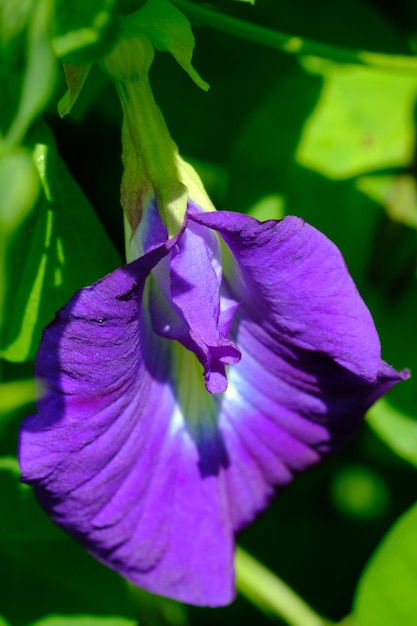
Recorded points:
(184, 388)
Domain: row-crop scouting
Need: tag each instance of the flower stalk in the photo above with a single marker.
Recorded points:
(271, 595)
(150, 156)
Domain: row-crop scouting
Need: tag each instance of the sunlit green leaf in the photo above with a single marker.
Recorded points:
(60, 248)
(396, 193)
(398, 430)
(268, 208)
(363, 121)
(263, 164)
(386, 594)
(19, 187)
(15, 394)
(169, 30)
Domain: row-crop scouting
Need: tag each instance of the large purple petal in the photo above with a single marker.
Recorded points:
(310, 364)
(109, 455)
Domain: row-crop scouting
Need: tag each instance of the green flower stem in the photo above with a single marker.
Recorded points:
(150, 156)
(272, 595)
(291, 44)
(151, 138)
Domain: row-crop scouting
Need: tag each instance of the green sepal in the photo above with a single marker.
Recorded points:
(75, 75)
(169, 31)
(149, 154)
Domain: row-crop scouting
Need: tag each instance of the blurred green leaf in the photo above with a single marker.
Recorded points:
(60, 248)
(386, 594)
(398, 430)
(263, 164)
(363, 121)
(83, 27)
(39, 76)
(59, 578)
(396, 193)
(158, 610)
(13, 19)
(268, 208)
(15, 394)
(3, 622)
(21, 517)
(84, 620)
(19, 188)
(170, 31)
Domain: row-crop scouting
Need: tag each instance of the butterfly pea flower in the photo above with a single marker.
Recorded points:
(184, 389)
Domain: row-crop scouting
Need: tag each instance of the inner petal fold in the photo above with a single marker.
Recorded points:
(189, 303)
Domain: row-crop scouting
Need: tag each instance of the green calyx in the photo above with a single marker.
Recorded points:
(150, 157)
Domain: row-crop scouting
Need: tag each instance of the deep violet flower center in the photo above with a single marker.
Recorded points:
(190, 302)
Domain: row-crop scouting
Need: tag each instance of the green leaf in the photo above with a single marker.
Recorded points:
(270, 207)
(14, 395)
(398, 430)
(21, 517)
(84, 620)
(40, 72)
(59, 578)
(386, 594)
(396, 193)
(83, 27)
(19, 188)
(159, 611)
(13, 19)
(363, 121)
(169, 30)
(60, 248)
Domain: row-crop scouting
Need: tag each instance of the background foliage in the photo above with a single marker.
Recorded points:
(321, 136)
